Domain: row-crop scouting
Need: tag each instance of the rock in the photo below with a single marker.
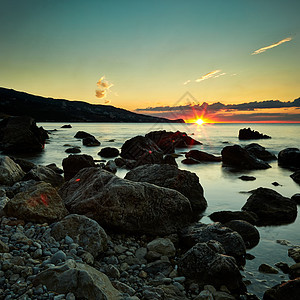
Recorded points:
(126, 205)
(40, 202)
(289, 158)
(296, 176)
(294, 271)
(3, 247)
(73, 150)
(124, 288)
(84, 231)
(139, 146)
(90, 141)
(271, 207)
(294, 253)
(205, 266)
(169, 159)
(296, 198)
(265, 268)
(66, 126)
(162, 246)
(42, 173)
(205, 295)
(21, 135)
(202, 156)
(171, 292)
(82, 135)
(82, 280)
(287, 290)
(3, 200)
(125, 163)
(109, 152)
(158, 266)
(247, 231)
(260, 152)
(226, 216)
(225, 296)
(58, 257)
(190, 161)
(231, 241)
(10, 172)
(168, 176)
(284, 267)
(74, 163)
(25, 165)
(247, 178)
(55, 168)
(111, 167)
(238, 157)
(248, 134)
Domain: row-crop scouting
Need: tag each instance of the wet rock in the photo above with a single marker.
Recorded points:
(247, 231)
(294, 253)
(82, 135)
(21, 135)
(238, 157)
(39, 202)
(169, 159)
(73, 150)
(284, 267)
(260, 152)
(205, 266)
(248, 134)
(90, 141)
(125, 163)
(265, 268)
(294, 271)
(66, 126)
(172, 292)
(289, 158)
(125, 205)
(226, 216)
(111, 167)
(3, 247)
(55, 168)
(247, 178)
(25, 165)
(169, 176)
(84, 231)
(287, 290)
(10, 172)
(202, 156)
(74, 163)
(190, 161)
(162, 246)
(296, 198)
(109, 152)
(271, 207)
(296, 176)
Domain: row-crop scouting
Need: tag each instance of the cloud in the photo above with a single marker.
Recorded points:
(261, 50)
(186, 82)
(103, 87)
(208, 75)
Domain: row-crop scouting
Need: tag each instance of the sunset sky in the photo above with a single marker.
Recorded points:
(146, 55)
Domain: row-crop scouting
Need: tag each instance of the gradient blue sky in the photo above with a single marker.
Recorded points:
(148, 49)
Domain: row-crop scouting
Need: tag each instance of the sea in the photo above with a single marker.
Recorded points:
(223, 189)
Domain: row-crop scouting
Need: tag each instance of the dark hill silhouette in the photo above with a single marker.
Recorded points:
(14, 103)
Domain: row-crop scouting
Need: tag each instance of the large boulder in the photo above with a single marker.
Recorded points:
(248, 134)
(42, 173)
(39, 202)
(289, 158)
(25, 165)
(231, 241)
(289, 290)
(296, 176)
(82, 135)
(260, 152)
(227, 215)
(238, 157)
(125, 205)
(82, 280)
(10, 172)
(21, 135)
(90, 141)
(169, 176)
(271, 207)
(109, 152)
(206, 266)
(84, 231)
(202, 156)
(74, 163)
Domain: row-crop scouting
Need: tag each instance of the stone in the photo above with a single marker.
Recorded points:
(109, 152)
(294, 253)
(190, 161)
(271, 207)
(289, 158)
(74, 163)
(111, 167)
(58, 257)
(265, 268)
(73, 150)
(124, 288)
(205, 295)
(227, 215)
(67, 126)
(249, 134)
(296, 198)
(237, 157)
(205, 266)
(162, 246)
(39, 202)
(21, 135)
(112, 271)
(247, 178)
(172, 292)
(202, 156)
(55, 168)
(82, 135)
(296, 176)
(84, 231)
(286, 290)
(90, 141)
(158, 266)
(260, 152)
(25, 165)
(82, 280)
(294, 271)
(10, 172)
(125, 205)
(169, 176)
(4, 248)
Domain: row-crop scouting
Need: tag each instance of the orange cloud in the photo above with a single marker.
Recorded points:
(261, 50)
(208, 75)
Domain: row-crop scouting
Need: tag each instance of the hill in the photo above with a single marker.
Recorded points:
(14, 103)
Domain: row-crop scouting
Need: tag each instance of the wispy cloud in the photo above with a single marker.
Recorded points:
(208, 75)
(186, 82)
(263, 49)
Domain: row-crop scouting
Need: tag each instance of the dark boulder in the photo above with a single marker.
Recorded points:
(125, 163)
(169, 159)
(73, 150)
(248, 134)
(90, 141)
(74, 163)
(226, 216)
(247, 231)
(21, 135)
(55, 168)
(25, 165)
(169, 176)
(238, 157)
(260, 152)
(190, 161)
(271, 207)
(109, 152)
(66, 126)
(296, 176)
(296, 198)
(289, 158)
(202, 156)
(289, 290)
(82, 135)
(247, 178)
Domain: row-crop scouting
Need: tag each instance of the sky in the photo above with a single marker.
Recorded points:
(145, 56)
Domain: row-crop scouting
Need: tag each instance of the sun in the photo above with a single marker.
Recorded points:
(200, 122)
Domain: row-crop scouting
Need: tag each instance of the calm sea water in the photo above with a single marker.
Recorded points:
(222, 188)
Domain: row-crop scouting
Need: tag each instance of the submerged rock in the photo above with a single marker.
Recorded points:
(247, 178)
(227, 215)
(271, 207)
(125, 205)
(248, 134)
(260, 152)
(169, 176)
(289, 158)
(202, 156)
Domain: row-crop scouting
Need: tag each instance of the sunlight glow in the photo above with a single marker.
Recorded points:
(199, 122)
